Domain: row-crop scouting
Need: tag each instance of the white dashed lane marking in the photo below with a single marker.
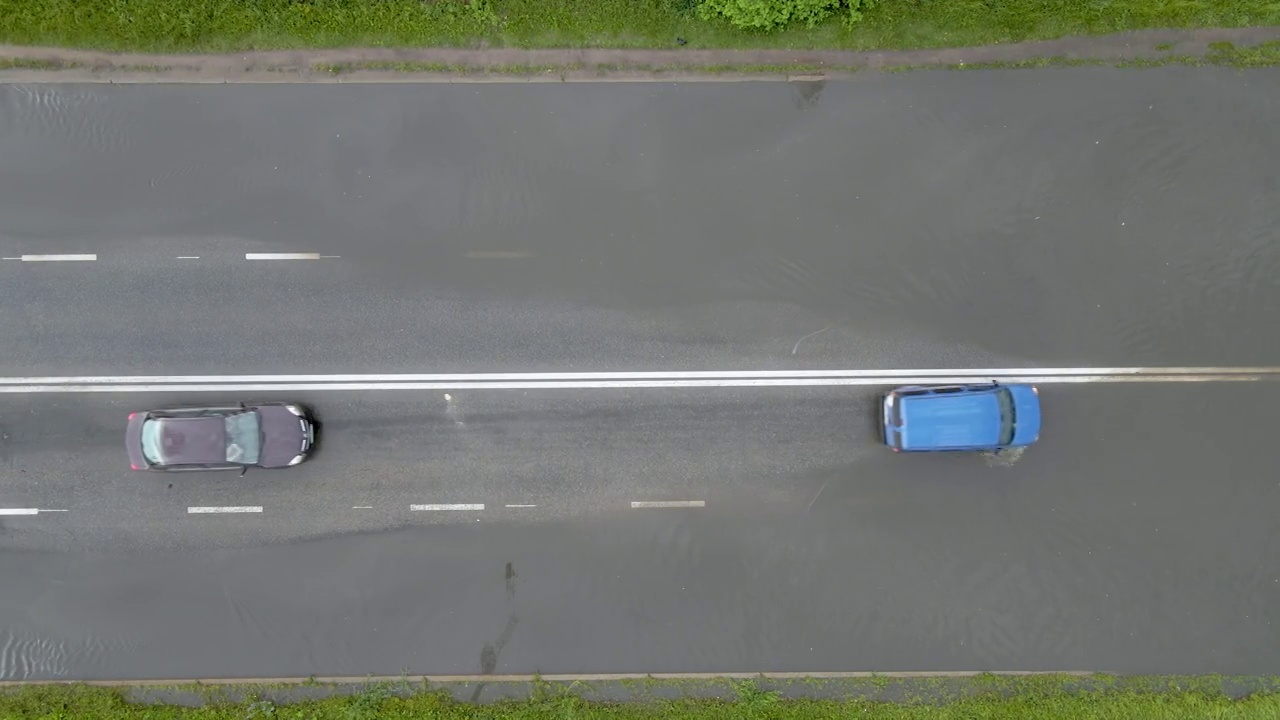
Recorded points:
(498, 254)
(455, 506)
(669, 504)
(92, 257)
(282, 256)
(28, 511)
(55, 258)
(232, 509)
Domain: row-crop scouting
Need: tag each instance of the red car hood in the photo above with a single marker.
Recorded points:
(282, 436)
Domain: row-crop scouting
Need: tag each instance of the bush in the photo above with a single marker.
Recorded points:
(769, 15)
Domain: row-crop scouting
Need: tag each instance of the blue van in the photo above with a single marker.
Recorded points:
(961, 417)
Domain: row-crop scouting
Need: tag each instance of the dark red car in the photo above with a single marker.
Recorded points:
(274, 435)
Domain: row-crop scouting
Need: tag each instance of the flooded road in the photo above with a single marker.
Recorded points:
(1074, 217)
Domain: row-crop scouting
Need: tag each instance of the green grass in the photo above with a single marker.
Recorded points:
(229, 25)
(989, 699)
(1225, 54)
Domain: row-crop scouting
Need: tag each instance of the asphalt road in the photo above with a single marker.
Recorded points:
(1083, 217)
(1068, 217)
(1137, 536)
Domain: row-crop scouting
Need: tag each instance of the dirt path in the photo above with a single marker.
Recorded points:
(37, 64)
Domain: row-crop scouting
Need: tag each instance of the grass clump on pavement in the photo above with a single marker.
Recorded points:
(1265, 54)
(1014, 700)
(231, 25)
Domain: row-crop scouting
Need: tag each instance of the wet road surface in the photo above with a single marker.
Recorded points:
(1071, 217)
(1133, 538)
(1083, 216)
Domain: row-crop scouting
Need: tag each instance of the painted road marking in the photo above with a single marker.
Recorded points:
(282, 256)
(521, 506)
(462, 506)
(19, 511)
(670, 504)
(188, 257)
(361, 507)
(897, 373)
(55, 258)
(9, 386)
(499, 254)
(229, 509)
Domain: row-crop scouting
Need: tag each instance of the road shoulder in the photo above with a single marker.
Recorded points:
(1237, 46)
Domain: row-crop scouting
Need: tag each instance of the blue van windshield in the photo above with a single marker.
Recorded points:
(1008, 416)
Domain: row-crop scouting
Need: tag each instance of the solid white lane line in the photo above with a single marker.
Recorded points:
(19, 511)
(670, 504)
(623, 384)
(229, 509)
(59, 258)
(462, 506)
(901, 374)
(282, 256)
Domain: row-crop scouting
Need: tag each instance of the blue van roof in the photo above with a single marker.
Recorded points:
(953, 420)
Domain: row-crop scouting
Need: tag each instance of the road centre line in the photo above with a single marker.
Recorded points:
(88, 257)
(461, 506)
(669, 504)
(902, 374)
(232, 509)
(626, 384)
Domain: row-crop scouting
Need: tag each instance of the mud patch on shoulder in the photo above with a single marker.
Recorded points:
(1004, 458)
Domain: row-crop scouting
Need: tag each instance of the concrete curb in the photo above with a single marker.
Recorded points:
(555, 678)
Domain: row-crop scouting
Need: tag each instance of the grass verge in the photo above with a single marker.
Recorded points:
(232, 25)
(979, 697)
(1223, 54)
